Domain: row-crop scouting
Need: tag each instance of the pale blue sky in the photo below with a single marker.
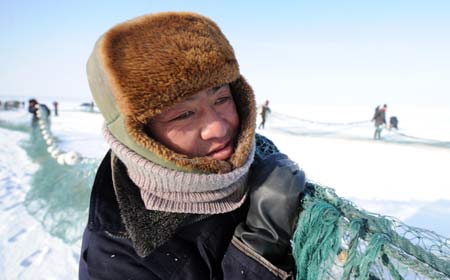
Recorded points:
(298, 52)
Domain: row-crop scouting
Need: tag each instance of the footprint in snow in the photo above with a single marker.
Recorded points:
(12, 206)
(35, 258)
(4, 195)
(76, 256)
(17, 235)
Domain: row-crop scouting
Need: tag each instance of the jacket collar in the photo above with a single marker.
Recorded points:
(147, 229)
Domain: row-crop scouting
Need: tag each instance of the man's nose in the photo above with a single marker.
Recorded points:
(214, 125)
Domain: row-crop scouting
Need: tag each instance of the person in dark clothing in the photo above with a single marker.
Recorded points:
(393, 122)
(33, 108)
(264, 111)
(55, 108)
(188, 190)
(379, 118)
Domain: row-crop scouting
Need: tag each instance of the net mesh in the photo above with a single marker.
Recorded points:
(59, 192)
(335, 239)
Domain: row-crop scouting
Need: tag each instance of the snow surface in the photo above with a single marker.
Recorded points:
(402, 177)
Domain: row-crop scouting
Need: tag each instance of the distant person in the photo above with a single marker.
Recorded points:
(264, 111)
(380, 119)
(55, 108)
(393, 122)
(33, 107)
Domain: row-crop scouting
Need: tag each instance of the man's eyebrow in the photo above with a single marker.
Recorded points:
(213, 90)
(190, 98)
(210, 92)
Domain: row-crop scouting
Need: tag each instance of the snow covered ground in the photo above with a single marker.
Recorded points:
(27, 250)
(405, 177)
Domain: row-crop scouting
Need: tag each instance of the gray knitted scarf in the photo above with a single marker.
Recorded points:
(168, 190)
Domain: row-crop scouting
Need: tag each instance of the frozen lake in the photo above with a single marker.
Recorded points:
(404, 175)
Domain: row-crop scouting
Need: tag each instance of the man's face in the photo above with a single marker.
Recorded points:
(205, 124)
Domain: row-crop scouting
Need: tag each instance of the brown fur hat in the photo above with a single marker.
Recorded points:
(144, 65)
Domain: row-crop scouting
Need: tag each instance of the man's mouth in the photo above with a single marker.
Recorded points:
(222, 153)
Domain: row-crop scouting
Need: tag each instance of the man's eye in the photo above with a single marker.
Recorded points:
(223, 100)
(183, 116)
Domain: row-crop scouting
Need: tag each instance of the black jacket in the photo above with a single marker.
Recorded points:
(198, 247)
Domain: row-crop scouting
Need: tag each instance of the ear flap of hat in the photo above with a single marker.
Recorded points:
(246, 107)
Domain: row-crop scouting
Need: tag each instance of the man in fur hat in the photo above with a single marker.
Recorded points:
(187, 191)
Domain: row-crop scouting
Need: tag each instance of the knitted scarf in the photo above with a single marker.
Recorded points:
(168, 190)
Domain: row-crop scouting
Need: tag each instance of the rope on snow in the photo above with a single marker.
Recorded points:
(321, 123)
(339, 126)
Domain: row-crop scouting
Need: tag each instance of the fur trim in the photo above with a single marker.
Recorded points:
(157, 60)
